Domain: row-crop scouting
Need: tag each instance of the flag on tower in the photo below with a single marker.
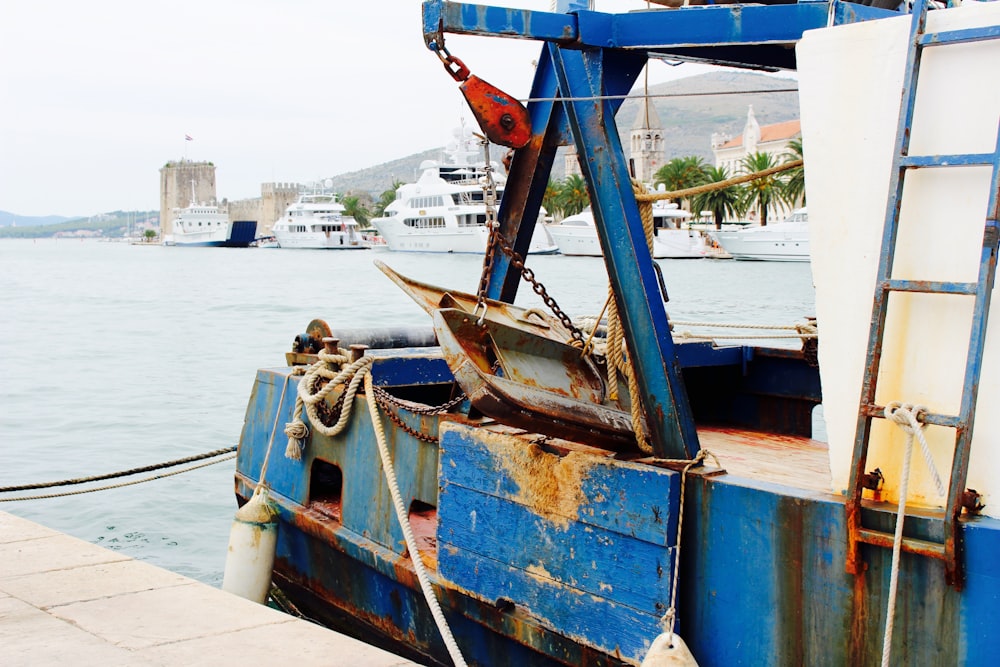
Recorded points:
(188, 137)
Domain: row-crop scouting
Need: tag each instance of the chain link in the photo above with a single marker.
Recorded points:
(496, 240)
(386, 397)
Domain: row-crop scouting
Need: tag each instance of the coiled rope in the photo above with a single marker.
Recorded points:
(904, 415)
(330, 367)
(226, 454)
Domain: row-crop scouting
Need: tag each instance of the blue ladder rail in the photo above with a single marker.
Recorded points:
(950, 549)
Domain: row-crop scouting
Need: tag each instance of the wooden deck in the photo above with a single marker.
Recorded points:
(779, 459)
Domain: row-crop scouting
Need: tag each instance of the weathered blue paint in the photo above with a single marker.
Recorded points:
(762, 578)
(783, 570)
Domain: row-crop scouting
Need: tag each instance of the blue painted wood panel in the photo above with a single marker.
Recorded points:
(622, 497)
(589, 559)
(594, 621)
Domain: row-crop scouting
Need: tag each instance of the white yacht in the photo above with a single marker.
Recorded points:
(316, 220)
(577, 234)
(445, 210)
(785, 241)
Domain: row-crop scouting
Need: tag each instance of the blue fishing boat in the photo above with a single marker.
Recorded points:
(497, 489)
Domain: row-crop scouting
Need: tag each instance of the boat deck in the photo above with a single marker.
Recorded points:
(778, 459)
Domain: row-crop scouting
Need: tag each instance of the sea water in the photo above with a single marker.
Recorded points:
(114, 356)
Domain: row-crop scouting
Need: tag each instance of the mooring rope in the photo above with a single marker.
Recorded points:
(124, 484)
(411, 541)
(121, 473)
(671, 614)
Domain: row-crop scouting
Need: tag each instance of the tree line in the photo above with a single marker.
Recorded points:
(786, 189)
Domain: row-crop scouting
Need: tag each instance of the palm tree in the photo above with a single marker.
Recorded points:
(681, 173)
(721, 203)
(354, 208)
(794, 189)
(550, 200)
(573, 196)
(761, 193)
(386, 198)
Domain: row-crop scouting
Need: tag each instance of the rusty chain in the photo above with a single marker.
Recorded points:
(496, 240)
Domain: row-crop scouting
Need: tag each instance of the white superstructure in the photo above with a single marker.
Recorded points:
(445, 210)
(199, 225)
(786, 241)
(317, 221)
(577, 235)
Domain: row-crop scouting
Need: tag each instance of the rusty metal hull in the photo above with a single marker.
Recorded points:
(554, 552)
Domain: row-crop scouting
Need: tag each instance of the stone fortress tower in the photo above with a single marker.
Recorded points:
(182, 183)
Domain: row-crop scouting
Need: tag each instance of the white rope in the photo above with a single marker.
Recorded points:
(668, 618)
(404, 523)
(905, 416)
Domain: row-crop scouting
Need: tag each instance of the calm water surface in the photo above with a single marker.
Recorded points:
(115, 356)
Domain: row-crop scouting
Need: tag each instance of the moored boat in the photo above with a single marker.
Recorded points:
(785, 241)
(577, 235)
(445, 210)
(506, 492)
(208, 225)
(317, 221)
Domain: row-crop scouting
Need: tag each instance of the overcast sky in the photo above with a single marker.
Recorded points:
(96, 96)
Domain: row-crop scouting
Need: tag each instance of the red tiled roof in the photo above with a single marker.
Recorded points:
(775, 132)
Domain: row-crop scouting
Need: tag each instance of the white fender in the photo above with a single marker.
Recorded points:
(252, 542)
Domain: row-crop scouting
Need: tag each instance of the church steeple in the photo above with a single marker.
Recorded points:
(751, 133)
(647, 152)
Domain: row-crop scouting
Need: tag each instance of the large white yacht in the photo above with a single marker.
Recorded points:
(316, 220)
(785, 241)
(445, 210)
(577, 234)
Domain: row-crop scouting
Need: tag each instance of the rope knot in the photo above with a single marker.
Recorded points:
(906, 415)
(297, 431)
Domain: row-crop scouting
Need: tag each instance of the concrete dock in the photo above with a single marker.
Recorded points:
(66, 601)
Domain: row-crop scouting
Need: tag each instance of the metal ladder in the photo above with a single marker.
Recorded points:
(950, 550)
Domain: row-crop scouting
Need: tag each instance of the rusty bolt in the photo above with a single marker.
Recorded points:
(972, 501)
(331, 345)
(357, 351)
(507, 122)
(873, 480)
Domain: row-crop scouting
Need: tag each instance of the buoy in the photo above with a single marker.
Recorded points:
(669, 650)
(252, 542)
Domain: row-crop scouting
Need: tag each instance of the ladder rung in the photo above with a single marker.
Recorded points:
(956, 160)
(937, 419)
(959, 36)
(930, 286)
(908, 544)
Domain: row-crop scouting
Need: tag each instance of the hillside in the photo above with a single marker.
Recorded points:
(13, 220)
(689, 112)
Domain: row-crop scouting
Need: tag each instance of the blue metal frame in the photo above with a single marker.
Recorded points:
(589, 59)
